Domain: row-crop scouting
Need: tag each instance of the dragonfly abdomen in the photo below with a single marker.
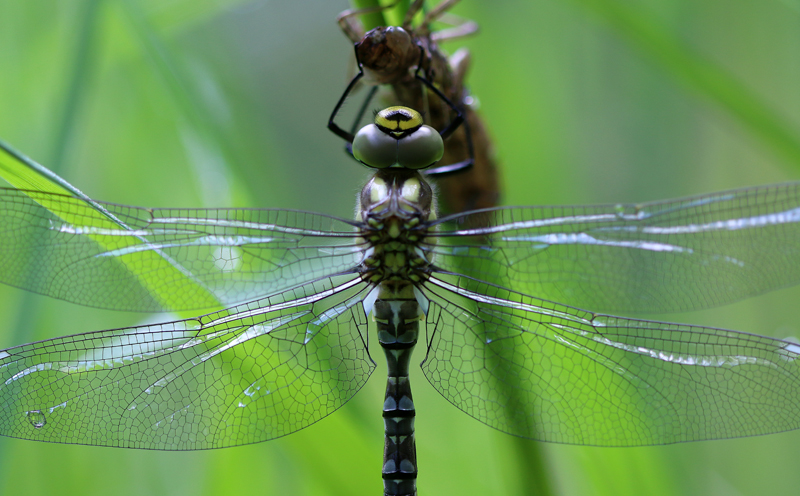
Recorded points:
(397, 314)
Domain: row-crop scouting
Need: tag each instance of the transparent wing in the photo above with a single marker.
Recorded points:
(137, 259)
(674, 255)
(553, 373)
(247, 374)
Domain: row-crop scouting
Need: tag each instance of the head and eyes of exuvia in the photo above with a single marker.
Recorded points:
(397, 202)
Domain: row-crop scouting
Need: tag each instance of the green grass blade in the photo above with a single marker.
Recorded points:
(80, 71)
(23, 173)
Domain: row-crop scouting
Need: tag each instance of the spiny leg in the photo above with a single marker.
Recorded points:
(411, 12)
(461, 28)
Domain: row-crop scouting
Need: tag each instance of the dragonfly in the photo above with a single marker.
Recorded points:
(303, 292)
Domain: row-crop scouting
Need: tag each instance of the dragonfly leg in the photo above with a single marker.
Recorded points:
(461, 29)
(338, 131)
(437, 12)
(411, 12)
(454, 124)
(460, 62)
(363, 109)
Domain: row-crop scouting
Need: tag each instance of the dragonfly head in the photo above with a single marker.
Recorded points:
(398, 139)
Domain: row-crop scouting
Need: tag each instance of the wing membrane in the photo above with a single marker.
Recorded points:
(247, 374)
(164, 259)
(553, 373)
(676, 255)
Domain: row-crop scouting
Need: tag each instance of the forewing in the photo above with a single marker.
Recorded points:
(137, 259)
(553, 373)
(674, 255)
(247, 374)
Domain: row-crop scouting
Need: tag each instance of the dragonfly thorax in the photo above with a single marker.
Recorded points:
(395, 207)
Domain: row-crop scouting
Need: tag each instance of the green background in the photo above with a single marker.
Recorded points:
(224, 103)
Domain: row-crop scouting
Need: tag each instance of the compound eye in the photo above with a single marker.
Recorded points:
(374, 148)
(420, 149)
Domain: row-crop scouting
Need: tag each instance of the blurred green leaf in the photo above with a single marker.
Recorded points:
(698, 74)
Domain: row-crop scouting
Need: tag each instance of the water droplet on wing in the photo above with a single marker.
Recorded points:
(36, 418)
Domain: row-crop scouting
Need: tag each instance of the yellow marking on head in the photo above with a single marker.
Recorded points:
(398, 120)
